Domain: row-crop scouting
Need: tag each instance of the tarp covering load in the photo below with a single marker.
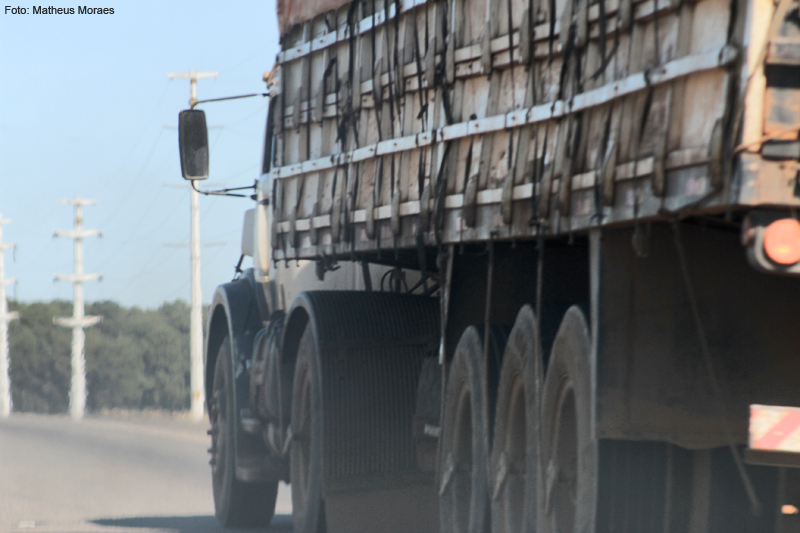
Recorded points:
(291, 12)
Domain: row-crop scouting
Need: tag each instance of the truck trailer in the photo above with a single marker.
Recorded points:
(517, 266)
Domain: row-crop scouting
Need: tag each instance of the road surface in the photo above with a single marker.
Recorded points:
(109, 475)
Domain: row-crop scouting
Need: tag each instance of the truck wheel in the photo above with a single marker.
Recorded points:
(464, 443)
(570, 455)
(237, 504)
(515, 450)
(306, 451)
(357, 359)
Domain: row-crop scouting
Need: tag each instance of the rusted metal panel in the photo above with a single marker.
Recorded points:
(291, 12)
(653, 381)
(784, 51)
(782, 111)
(767, 183)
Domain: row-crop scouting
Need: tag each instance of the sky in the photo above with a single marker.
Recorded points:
(86, 109)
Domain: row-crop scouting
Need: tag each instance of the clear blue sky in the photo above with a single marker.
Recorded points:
(83, 104)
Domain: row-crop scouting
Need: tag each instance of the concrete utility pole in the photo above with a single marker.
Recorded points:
(78, 321)
(196, 314)
(5, 318)
(192, 76)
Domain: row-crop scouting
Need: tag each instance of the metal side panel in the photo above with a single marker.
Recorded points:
(653, 381)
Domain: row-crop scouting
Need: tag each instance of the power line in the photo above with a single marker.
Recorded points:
(124, 245)
(242, 62)
(171, 213)
(134, 182)
(144, 268)
(116, 173)
(206, 263)
(159, 226)
(247, 117)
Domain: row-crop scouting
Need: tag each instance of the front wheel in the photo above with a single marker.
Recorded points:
(237, 504)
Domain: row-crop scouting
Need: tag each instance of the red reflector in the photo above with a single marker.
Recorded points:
(774, 428)
(782, 241)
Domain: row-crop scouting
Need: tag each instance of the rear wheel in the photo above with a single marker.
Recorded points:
(237, 504)
(357, 359)
(515, 450)
(464, 443)
(570, 455)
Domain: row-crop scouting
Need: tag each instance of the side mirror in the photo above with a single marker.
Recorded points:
(193, 140)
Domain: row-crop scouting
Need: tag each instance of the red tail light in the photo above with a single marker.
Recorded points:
(782, 241)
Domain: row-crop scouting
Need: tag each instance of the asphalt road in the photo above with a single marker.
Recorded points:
(109, 475)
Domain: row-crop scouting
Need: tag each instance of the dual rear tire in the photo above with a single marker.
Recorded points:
(515, 454)
(569, 454)
(541, 474)
(465, 442)
(353, 455)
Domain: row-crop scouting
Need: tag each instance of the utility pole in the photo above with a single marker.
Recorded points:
(78, 321)
(196, 314)
(5, 318)
(192, 76)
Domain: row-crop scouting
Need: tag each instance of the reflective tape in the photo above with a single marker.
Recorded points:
(775, 428)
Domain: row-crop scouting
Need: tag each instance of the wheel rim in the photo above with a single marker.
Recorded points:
(514, 453)
(462, 458)
(563, 467)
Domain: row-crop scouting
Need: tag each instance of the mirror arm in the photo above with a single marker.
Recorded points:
(228, 98)
(224, 192)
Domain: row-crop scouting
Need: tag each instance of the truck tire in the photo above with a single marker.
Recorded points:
(515, 449)
(237, 504)
(464, 444)
(357, 362)
(569, 453)
(306, 451)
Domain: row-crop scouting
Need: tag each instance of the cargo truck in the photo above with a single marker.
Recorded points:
(517, 266)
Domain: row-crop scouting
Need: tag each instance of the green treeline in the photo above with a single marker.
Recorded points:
(135, 359)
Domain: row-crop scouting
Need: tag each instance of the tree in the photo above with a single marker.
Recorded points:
(39, 355)
(135, 359)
